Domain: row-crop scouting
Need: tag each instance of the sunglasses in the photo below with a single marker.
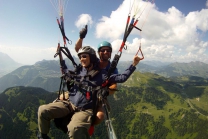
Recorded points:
(82, 56)
(103, 50)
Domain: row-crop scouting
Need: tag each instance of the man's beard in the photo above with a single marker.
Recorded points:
(103, 58)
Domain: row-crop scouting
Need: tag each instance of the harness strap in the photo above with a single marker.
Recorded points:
(113, 65)
(71, 77)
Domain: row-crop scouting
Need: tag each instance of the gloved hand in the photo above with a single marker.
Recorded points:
(83, 32)
(103, 93)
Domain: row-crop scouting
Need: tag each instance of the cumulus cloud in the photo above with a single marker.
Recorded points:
(167, 35)
(84, 19)
(112, 27)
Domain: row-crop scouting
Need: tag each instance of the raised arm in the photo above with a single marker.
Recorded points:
(82, 35)
(121, 78)
(78, 44)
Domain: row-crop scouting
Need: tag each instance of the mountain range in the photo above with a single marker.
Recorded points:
(7, 64)
(147, 105)
(46, 73)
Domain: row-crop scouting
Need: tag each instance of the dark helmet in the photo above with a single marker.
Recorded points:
(104, 43)
(88, 50)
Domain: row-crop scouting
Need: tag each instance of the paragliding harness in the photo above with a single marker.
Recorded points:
(61, 123)
(68, 79)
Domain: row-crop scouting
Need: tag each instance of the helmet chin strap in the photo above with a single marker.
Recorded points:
(90, 65)
(101, 58)
(87, 67)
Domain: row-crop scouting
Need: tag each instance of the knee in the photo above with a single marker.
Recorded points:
(100, 115)
(78, 133)
(42, 111)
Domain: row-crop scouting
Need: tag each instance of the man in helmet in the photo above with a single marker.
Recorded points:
(104, 52)
(81, 98)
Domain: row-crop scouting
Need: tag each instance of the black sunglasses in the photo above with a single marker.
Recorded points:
(103, 50)
(82, 56)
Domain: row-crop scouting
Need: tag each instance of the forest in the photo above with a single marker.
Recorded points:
(147, 112)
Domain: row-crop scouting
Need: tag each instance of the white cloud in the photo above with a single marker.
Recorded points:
(112, 27)
(165, 35)
(199, 20)
(84, 19)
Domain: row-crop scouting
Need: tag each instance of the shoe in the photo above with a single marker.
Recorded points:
(42, 136)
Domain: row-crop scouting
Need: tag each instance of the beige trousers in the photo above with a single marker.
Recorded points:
(77, 127)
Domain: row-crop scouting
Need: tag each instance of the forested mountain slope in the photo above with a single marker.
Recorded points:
(146, 106)
(196, 68)
(45, 74)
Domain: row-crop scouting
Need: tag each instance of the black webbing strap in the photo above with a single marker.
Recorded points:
(113, 65)
(68, 54)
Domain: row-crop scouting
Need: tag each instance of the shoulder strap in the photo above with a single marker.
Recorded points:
(94, 72)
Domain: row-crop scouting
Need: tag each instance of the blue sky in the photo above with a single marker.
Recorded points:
(172, 31)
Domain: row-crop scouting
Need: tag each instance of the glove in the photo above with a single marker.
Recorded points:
(103, 93)
(83, 32)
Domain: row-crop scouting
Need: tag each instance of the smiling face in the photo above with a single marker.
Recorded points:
(105, 53)
(84, 59)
